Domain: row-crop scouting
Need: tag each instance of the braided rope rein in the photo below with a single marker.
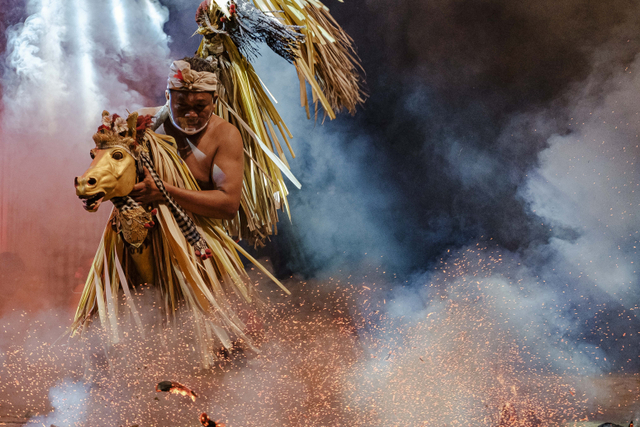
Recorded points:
(186, 224)
(125, 203)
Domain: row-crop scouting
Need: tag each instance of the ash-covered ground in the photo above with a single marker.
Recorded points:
(336, 353)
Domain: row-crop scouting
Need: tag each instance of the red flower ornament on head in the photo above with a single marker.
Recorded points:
(179, 75)
(202, 9)
(144, 122)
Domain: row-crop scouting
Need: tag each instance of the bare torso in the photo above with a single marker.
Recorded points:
(215, 158)
(199, 151)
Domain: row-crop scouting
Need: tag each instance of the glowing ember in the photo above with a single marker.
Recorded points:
(176, 388)
(208, 422)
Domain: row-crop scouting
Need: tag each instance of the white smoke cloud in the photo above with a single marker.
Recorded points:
(339, 211)
(66, 63)
(72, 58)
(295, 380)
(69, 400)
(587, 182)
(538, 327)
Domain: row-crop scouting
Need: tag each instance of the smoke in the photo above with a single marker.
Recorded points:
(498, 122)
(490, 129)
(344, 351)
(464, 96)
(585, 193)
(69, 400)
(326, 358)
(296, 379)
(464, 99)
(509, 124)
(64, 64)
(344, 213)
(587, 183)
(464, 341)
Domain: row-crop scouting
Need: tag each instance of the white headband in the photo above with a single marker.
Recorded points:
(182, 77)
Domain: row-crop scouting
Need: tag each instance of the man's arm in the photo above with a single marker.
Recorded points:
(224, 201)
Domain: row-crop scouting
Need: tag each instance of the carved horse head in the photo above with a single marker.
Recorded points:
(114, 168)
(112, 173)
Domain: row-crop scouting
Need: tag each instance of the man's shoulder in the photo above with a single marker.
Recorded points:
(223, 127)
(221, 132)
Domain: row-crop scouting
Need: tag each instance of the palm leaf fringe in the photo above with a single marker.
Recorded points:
(264, 190)
(326, 60)
(209, 289)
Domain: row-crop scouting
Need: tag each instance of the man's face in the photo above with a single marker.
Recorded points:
(190, 110)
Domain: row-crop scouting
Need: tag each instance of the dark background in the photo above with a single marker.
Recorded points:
(468, 76)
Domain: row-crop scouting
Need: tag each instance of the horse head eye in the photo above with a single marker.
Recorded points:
(92, 154)
(117, 155)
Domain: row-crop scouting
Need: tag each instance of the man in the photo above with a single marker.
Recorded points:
(210, 146)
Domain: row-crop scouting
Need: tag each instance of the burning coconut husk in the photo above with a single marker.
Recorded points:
(176, 388)
(208, 422)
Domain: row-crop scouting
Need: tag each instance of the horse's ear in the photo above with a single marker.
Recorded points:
(132, 123)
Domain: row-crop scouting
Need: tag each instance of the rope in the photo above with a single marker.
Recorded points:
(184, 221)
(186, 224)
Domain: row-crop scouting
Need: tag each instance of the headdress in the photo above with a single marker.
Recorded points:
(247, 26)
(182, 77)
(126, 133)
(301, 31)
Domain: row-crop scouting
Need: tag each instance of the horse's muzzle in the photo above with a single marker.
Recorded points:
(85, 190)
(84, 185)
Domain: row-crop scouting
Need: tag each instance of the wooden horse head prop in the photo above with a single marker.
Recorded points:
(120, 155)
(115, 164)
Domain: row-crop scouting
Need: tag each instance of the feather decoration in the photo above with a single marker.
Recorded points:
(303, 32)
(253, 27)
(248, 26)
(327, 61)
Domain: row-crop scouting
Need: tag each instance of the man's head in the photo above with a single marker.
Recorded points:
(192, 92)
